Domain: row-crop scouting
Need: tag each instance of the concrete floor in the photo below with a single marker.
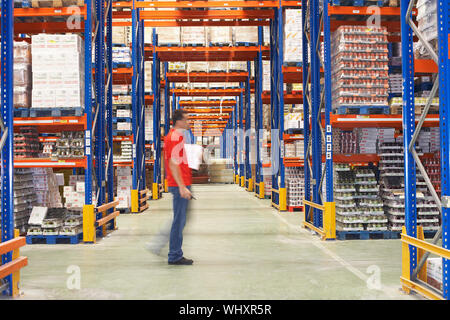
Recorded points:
(242, 249)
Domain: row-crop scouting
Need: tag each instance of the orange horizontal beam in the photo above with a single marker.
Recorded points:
(241, 53)
(49, 163)
(107, 206)
(376, 121)
(209, 117)
(425, 66)
(47, 27)
(207, 76)
(13, 266)
(109, 217)
(206, 14)
(205, 110)
(355, 158)
(12, 244)
(366, 11)
(209, 103)
(52, 124)
(216, 4)
(206, 92)
(206, 122)
(201, 23)
(122, 138)
(50, 12)
(291, 98)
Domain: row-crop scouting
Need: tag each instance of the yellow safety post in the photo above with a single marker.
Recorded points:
(329, 220)
(243, 181)
(16, 275)
(236, 179)
(155, 193)
(250, 184)
(89, 234)
(282, 196)
(166, 185)
(134, 201)
(261, 190)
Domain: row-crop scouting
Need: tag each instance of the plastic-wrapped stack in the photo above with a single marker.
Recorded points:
(70, 145)
(391, 168)
(26, 143)
(348, 216)
(121, 56)
(293, 36)
(120, 35)
(169, 36)
(220, 36)
(218, 66)
(58, 71)
(74, 193)
(148, 124)
(395, 84)
(193, 36)
(124, 184)
(148, 81)
(47, 189)
(22, 74)
(295, 182)
(237, 66)
(197, 66)
(24, 197)
(359, 58)
(427, 25)
(245, 36)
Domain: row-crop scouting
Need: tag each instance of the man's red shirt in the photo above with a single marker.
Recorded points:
(174, 149)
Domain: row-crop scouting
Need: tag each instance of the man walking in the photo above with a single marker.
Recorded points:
(179, 178)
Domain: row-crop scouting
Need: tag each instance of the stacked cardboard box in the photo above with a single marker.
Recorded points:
(193, 36)
(74, 193)
(58, 71)
(220, 36)
(121, 55)
(148, 124)
(26, 143)
(124, 184)
(22, 74)
(47, 188)
(295, 182)
(169, 35)
(120, 35)
(245, 35)
(220, 170)
(24, 197)
(148, 69)
(434, 272)
(293, 36)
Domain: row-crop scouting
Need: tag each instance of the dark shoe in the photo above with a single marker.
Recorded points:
(183, 261)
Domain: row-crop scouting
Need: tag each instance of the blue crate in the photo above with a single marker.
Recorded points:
(41, 239)
(293, 64)
(246, 44)
(56, 112)
(363, 235)
(122, 132)
(21, 112)
(121, 119)
(22, 4)
(358, 3)
(117, 65)
(362, 110)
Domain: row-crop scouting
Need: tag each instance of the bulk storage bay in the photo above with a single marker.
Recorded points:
(323, 125)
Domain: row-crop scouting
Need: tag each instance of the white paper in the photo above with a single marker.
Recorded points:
(37, 215)
(194, 154)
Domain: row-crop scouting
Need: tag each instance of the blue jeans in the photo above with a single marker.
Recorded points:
(180, 206)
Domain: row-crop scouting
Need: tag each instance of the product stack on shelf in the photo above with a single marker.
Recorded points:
(122, 114)
(148, 81)
(220, 171)
(392, 189)
(22, 74)
(47, 188)
(74, 193)
(295, 182)
(427, 25)
(360, 81)
(120, 35)
(433, 169)
(121, 56)
(24, 197)
(26, 143)
(70, 145)
(348, 216)
(169, 36)
(220, 36)
(124, 184)
(193, 36)
(293, 51)
(58, 71)
(245, 36)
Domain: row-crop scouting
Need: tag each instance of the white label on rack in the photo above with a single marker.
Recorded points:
(328, 139)
(355, 11)
(328, 155)
(134, 150)
(282, 149)
(328, 147)
(88, 151)
(328, 128)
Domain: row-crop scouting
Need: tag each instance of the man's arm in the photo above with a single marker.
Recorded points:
(176, 173)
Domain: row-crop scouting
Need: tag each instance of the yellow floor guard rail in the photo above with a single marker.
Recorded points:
(408, 284)
(328, 217)
(90, 223)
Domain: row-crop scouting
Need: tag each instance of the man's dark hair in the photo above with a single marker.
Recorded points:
(178, 115)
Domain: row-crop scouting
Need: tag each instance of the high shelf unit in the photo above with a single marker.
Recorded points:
(319, 23)
(415, 250)
(95, 26)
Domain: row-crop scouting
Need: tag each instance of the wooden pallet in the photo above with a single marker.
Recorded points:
(362, 235)
(56, 3)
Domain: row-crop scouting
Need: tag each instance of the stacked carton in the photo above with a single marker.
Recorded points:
(120, 35)
(47, 189)
(169, 35)
(245, 35)
(295, 182)
(121, 55)
(293, 36)
(74, 193)
(22, 74)
(220, 170)
(148, 69)
(193, 36)
(24, 197)
(266, 75)
(220, 36)
(58, 71)
(124, 184)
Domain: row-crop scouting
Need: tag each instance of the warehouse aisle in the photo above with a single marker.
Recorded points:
(242, 249)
